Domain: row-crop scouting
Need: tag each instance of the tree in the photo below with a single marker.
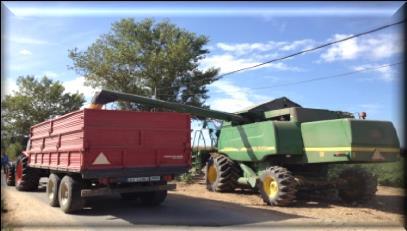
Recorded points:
(35, 101)
(147, 58)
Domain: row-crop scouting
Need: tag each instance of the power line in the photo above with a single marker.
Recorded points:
(320, 78)
(305, 51)
(314, 48)
(330, 77)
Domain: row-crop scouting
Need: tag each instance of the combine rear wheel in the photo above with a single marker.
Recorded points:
(277, 186)
(26, 178)
(221, 173)
(9, 173)
(358, 185)
(69, 194)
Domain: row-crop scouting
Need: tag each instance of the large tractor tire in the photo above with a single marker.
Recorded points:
(69, 194)
(9, 173)
(277, 186)
(26, 178)
(52, 189)
(358, 185)
(221, 173)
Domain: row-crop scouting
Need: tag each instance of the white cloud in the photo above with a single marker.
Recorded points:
(386, 73)
(345, 50)
(25, 52)
(245, 48)
(373, 47)
(228, 62)
(9, 87)
(78, 86)
(242, 48)
(26, 40)
(235, 98)
(303, 44)
(51, 74)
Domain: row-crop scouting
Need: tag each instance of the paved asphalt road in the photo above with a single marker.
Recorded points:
(178, 212)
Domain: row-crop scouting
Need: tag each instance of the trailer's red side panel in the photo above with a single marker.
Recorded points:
(113, 143)
(58, 143)
(122, 139)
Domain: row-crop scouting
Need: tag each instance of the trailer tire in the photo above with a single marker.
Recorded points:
(9, 173)
(360, 185)
(153, 198)
(221, 173)
(52, 189)
(277, 186)
(69, 194)
(26, 178)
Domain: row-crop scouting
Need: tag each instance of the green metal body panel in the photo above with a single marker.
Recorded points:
(349, 140)
(255, 141)
(299, 114)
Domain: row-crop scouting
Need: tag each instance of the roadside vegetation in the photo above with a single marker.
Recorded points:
(34, 101)
(388, 174)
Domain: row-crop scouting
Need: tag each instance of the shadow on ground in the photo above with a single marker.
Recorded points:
(182, 210)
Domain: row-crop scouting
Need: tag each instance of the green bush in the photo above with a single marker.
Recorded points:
(388, 174)
(13, 150)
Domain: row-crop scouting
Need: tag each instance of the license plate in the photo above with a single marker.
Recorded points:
(143, 179)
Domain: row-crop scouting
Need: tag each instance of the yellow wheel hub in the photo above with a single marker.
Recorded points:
(270, 186)
(212, 174)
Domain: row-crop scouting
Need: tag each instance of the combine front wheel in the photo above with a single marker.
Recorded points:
(221, 174)
(277, 186)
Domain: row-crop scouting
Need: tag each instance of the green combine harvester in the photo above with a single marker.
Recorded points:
(280, 148)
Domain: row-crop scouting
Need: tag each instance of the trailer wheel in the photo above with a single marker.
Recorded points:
(359, 185)
(9, 173)
(221, 173)
(277, 186)
(26, 178)
(52, 189)
(69, 194)
(153, 198)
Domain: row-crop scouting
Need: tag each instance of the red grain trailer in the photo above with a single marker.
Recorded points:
(94, 152)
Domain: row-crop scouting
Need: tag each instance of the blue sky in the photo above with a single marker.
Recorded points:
(38, 35)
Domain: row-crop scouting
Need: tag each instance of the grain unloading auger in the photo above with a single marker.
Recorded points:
(280, 147)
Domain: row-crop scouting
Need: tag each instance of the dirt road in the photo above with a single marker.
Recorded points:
(192, 207)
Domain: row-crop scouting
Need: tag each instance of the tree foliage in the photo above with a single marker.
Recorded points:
(35, 101)
(145, 58)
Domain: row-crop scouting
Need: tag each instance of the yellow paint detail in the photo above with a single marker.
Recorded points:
(212, 174)
(321, 154)
(244, 149)
(351, 149)
(95, 106)
(270, 186)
